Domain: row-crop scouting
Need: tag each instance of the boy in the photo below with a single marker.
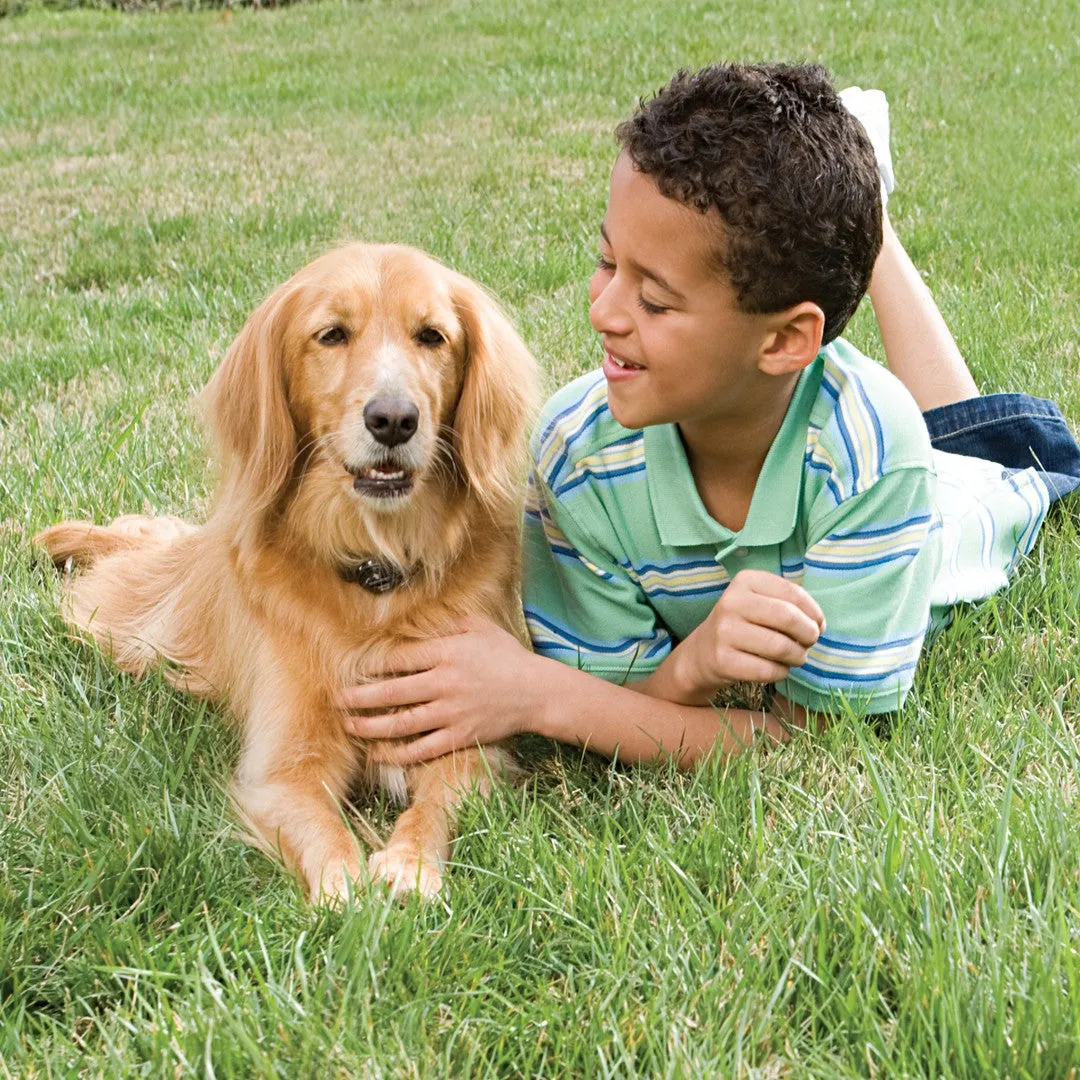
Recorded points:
(739, 494)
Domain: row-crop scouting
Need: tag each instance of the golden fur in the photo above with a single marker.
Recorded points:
(251, 610)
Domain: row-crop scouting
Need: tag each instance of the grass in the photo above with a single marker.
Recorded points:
(899, 901)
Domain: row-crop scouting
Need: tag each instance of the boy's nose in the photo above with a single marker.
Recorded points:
(606, 314)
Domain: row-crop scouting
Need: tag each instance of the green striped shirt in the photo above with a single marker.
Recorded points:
(622, 560)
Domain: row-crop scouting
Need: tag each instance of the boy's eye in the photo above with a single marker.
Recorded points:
(652, 309)
(603, 264)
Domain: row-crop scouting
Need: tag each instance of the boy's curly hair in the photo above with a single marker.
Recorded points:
(790, 171)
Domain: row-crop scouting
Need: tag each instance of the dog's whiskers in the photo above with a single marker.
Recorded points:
(312, 444)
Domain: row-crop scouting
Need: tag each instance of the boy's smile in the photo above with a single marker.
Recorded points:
(677, 348)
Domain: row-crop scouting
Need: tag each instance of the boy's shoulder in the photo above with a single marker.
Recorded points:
(864, 423)
(576, 425)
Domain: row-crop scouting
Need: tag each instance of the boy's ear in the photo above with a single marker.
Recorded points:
(793, 341)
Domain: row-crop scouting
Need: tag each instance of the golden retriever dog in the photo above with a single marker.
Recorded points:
(371, 421)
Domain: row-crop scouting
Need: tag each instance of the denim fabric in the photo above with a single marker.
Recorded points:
(1015, 430)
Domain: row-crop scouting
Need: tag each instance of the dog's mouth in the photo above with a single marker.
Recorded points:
(385, 480)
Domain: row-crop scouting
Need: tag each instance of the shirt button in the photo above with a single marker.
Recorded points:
(741, 553)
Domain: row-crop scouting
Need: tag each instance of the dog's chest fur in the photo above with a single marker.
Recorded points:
(392, 778)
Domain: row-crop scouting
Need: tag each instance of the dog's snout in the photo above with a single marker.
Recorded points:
(391, 421)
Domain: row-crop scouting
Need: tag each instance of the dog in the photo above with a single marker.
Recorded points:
(370, 421)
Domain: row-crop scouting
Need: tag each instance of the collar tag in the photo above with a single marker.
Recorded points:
(374, 574)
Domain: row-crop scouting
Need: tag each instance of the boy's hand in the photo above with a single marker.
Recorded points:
(474, 686)
(759, 629)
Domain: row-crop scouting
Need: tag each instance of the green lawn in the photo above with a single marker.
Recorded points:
(900, 901)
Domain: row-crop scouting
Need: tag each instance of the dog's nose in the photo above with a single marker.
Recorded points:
(391, 421)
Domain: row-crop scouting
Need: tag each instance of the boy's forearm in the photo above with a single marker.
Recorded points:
(584, 710)
(668, 683)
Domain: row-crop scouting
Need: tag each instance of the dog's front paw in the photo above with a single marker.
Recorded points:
(406, 871)
(336, 885)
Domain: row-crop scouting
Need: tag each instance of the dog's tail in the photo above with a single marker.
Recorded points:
(81, 543)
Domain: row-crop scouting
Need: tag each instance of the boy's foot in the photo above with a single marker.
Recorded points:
(871, 109)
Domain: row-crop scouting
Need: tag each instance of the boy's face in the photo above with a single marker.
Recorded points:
(677, 349)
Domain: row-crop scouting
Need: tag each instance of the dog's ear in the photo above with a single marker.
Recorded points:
(246, 401)
(498, 399)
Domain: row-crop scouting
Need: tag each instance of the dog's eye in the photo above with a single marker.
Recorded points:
(334, 336)
(430, 337)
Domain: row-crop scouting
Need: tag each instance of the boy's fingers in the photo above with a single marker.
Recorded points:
(389, 693)
(398, 725)
(763, 583)
(755, 669)
(783, 616)
(773, 646)
(423, 749)
(797, 595)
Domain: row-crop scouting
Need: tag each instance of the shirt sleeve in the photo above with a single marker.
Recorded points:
(870, 563)
(582, 607)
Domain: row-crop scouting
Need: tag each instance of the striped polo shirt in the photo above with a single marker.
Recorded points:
(622, 560)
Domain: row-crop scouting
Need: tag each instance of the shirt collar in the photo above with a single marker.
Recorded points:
(681, 517)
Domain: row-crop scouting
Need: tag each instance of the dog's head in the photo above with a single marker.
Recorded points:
(373, 376)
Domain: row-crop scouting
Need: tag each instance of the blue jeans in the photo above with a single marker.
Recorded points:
(1015, 430)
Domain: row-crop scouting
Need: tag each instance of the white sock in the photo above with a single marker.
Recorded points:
(871, 109)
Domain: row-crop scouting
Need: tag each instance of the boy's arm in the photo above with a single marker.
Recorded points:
(583, 710)
(480, 685)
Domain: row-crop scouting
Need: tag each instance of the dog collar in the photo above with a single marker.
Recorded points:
(374, 574)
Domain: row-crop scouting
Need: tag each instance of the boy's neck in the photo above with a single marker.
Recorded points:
(726, 452)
